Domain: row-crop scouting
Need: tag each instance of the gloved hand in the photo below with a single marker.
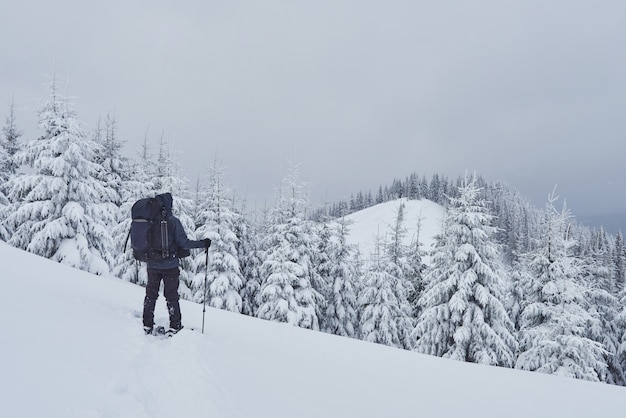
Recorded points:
(207, 242)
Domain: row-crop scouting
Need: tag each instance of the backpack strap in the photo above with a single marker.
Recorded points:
(126, 240)
(165, 252)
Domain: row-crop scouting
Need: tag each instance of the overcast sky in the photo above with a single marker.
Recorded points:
(531, 93)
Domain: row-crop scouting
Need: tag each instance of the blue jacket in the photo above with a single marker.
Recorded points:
(177, 237)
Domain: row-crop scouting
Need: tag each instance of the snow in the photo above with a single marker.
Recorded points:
(375, 221)
(72, 346)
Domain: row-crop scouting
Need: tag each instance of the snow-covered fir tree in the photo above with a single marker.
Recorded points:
(109, 156)
(218, 223)
(382, 301)
(598, 261)
(603, 304)
(4, 174)
(619, 324)
(554, 321)
(604, 328)
(398, 265)
(250, 260)
(415, 276)
(5, 234)
(4, 201)
(62, 211)
(619, 264)
(114, 171)
(341, 316)
(463, 316)
(518, 275)
(287, 273)
(9, 146)
(620, 328)
(323, 265)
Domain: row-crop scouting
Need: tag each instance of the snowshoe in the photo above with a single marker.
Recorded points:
(173, 331)
(156, 331)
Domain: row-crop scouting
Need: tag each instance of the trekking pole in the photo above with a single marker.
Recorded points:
(206, 273)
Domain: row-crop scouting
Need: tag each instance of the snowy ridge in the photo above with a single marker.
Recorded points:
(73, 347)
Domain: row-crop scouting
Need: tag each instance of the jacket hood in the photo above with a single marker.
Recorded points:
(165, 200)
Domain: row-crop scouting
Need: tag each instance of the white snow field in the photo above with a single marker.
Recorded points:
(72, 346)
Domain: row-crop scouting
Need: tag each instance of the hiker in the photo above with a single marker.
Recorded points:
(166, 270)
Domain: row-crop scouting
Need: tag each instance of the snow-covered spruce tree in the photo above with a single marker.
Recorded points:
(619, 264)
(603, 305)
(382, 301)
(515, 300)
(114, 170)
(620, 327)
(250, 260)
(619, 324)
(287, 273)
(218, 219)
(9, 146)
(599, 261)
(398, 266)
(604, 328)
(322, 260)
(109, 156)
(341, 315)
(5, 234)
(415, 276)
(554, 319)
(320, 279)
(137, 183)
(463, 316)
(62, 210)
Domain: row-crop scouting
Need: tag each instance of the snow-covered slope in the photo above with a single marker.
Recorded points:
(377, 221)
(72, 346)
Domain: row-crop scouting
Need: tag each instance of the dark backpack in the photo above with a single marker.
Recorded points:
(149, 231)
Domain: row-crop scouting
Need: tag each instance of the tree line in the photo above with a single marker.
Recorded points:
(508, 284)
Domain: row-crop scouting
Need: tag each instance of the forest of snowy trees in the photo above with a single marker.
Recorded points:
(508, 284)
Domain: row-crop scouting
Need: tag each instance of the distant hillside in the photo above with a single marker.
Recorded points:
(377, 220)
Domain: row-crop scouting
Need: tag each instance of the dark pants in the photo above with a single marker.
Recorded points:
(170, 283)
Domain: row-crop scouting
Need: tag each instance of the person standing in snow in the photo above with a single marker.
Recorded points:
(167, 270)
